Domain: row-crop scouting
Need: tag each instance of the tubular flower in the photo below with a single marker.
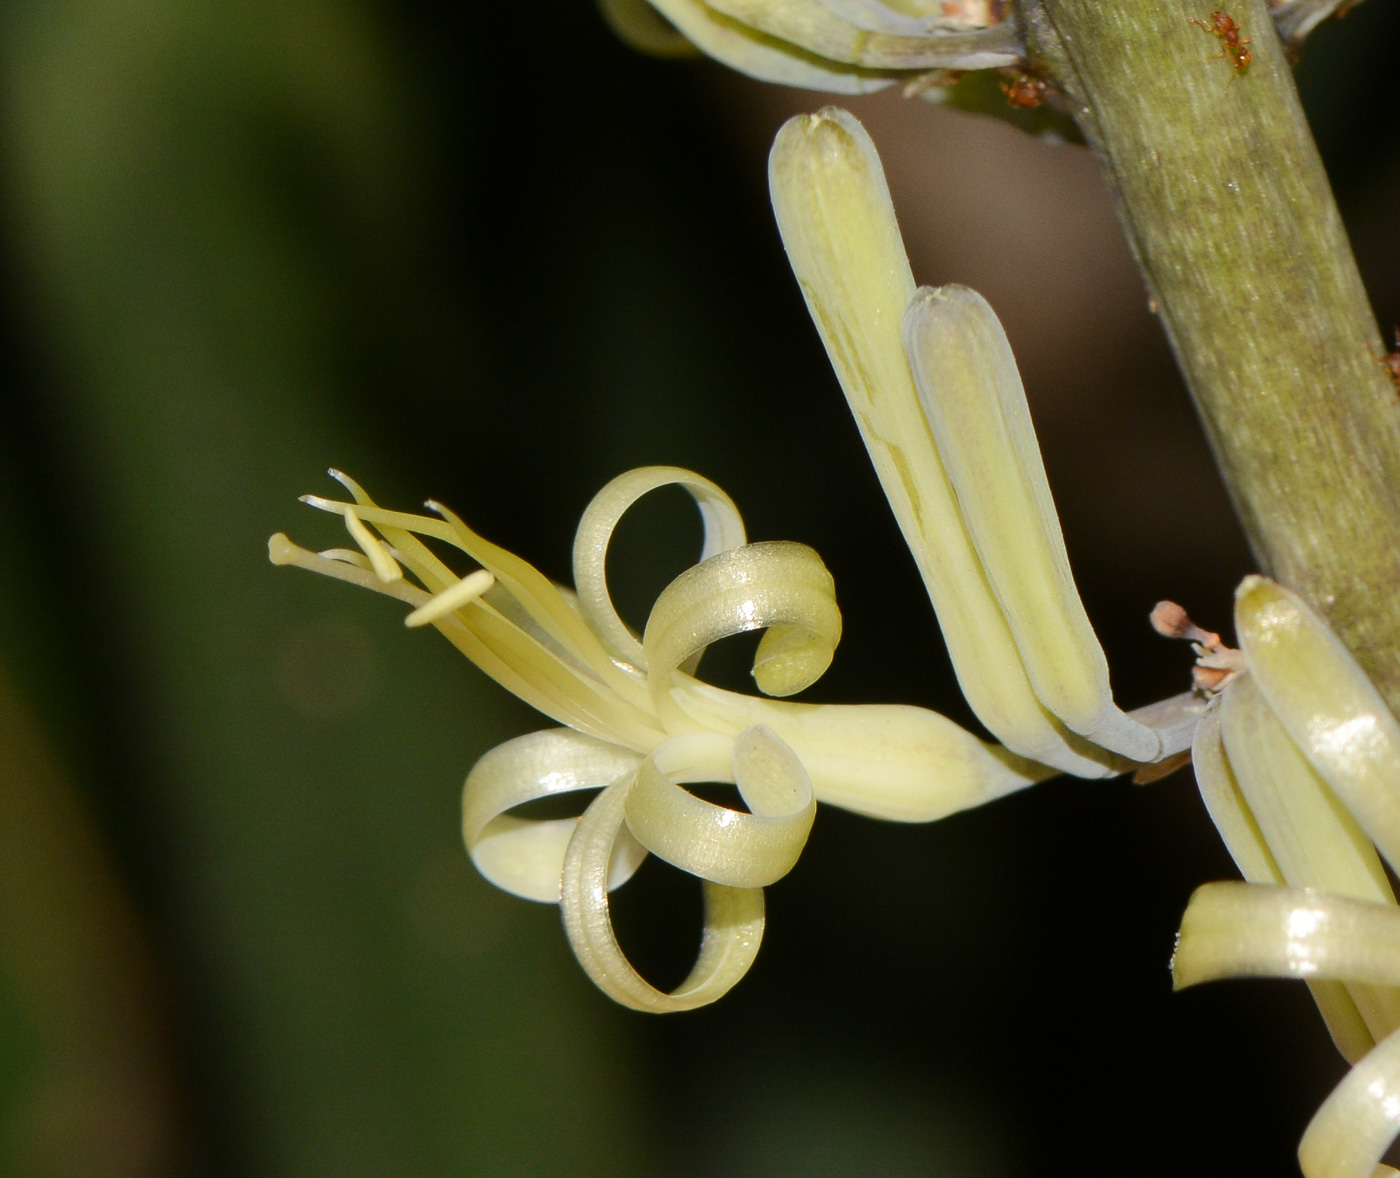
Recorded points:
(640, 724)
(934, 388)
(1298, 762)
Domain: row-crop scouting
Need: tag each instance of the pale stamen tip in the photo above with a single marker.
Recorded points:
(386, 568)
(451, 599)
(280, 550)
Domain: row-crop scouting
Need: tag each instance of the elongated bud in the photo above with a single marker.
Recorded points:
(834, 212)
(1313, 840)
(1326, 703)
(976, 406)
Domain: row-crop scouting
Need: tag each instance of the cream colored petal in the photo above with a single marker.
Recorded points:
(717, 843)
(971, 391)
(833, 209)
(733, 921)
(1328, 705)
(777, 584)
(763, 57)
(1235, 930)
(1313, 839)
(526, 855)
(724, 529)
(1358, 1121)
(812, 25)
(1226, 805)
(1245, 842)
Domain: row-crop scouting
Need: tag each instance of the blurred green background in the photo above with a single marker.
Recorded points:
(487, 254)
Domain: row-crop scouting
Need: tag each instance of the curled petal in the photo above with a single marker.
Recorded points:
(778, 584)
(833, 209)
(1236, 930)
(724, 529)
(971, 391)
(763, 57)
(733, 921)
(1329, 707)
(1358, 1121)
(716, 843)
(526, 855)
(812, 25)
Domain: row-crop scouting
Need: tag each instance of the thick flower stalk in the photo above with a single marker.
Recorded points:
(934, 387)
(1298, 763)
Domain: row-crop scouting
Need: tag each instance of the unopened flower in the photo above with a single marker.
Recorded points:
(934, 389)
(1299, 765)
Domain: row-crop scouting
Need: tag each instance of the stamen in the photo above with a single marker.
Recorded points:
(1217, 665)
(451, 599)
(386, 568)
(1171, 621)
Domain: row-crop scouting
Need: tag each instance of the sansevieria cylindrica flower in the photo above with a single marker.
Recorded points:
(934, 388)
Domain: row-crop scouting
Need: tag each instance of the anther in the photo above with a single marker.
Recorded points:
(386, 568)
(451, 599)
(1217, 665)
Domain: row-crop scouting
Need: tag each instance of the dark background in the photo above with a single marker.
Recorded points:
(486, 254)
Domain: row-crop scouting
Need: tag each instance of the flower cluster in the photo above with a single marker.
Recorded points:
(934, 388)
(1296, 755)
(1298, 762)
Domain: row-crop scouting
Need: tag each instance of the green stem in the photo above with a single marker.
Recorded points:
(1229, 212)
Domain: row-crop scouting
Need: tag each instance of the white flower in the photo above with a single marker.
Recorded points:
(934, 388)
